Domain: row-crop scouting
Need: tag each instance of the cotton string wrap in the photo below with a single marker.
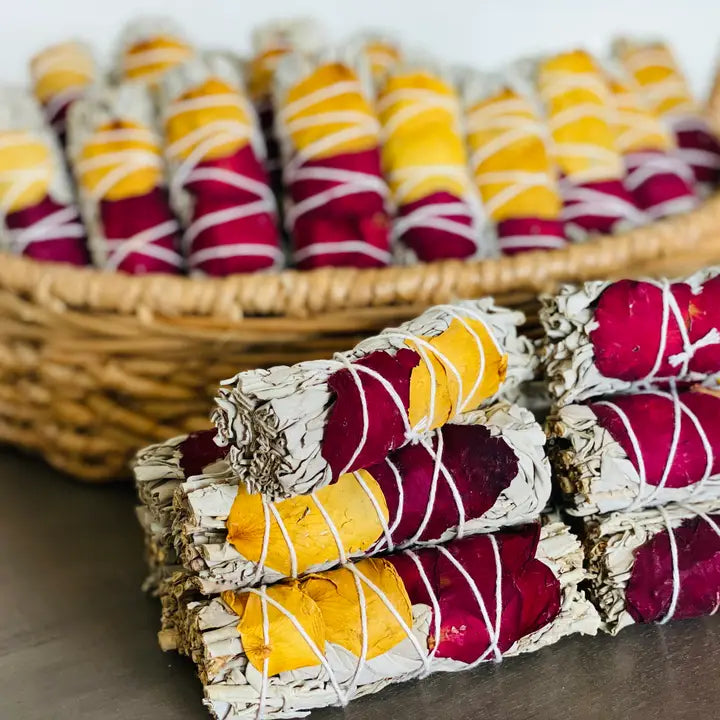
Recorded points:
(60, 75)
(578, 105)
(213, 145)
(330, 139)
(660, 181)
(657, 78)
(647, 493)
(149, 47)
(425, 163)
(514, 171)
(117, 161)
(37, 215)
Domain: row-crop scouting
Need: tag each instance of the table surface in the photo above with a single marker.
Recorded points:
(77, 636)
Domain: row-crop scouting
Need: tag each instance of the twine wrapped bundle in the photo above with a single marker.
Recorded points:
(513, 167)
(578, 106)
(115, 152)
(61, 74)
(655, 565)
(218, 183)
(426, 166)
(607, 337)
(484, 472)
(330, 140)
(292, 430)
(148, 47)
(657, 78)
(632, 451)
(345, 633)
(38, 216)
(660, 181)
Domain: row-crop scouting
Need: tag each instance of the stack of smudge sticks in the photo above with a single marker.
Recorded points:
(635, 440)
(361, 521)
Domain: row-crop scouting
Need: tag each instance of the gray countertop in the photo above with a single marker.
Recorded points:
(77, 637)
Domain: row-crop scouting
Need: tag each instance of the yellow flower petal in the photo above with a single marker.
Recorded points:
(346, 503)
(473, 354)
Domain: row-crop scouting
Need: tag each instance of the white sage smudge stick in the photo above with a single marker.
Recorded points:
(274, 420)
(204, 503)
(613, 543)
(234, 688)
(568, 353)
(596, 474)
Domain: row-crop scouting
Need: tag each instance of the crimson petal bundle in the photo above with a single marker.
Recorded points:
(218, 183)
(657, 78)
(425, 163)
(656, 565)
(605, 337)
(579, 111)
(330, 140)
(483, 472)
(626, 452)
(325, 639)
(292, 430)
(61, 74)
(513, 166)
(660, 181)
(38, 215)
(115, 152)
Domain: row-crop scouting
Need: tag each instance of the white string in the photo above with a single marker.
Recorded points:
(288, 541)
(266, 660)
(675, 568)
(265, 541)
(145, 59)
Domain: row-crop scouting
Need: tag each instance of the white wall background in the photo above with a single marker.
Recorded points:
(483, 33)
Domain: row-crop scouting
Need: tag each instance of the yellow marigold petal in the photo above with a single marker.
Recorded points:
(284, 646)
(26, 170)
(186, 129)
(336, 594)
(61, 68)
(476, 359)
(147, 60)
(636, 127)
(419, 115)
(303, 125)
(346, 503)
(133, 160)
(503, 138)
(584, 143)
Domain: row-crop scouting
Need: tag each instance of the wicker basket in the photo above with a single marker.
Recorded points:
(95, 365)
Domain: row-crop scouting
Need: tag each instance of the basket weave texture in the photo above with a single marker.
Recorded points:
(95, 365)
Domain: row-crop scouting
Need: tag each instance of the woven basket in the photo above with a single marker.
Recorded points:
(95, 365)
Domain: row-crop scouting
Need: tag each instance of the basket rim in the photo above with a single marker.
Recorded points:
(296, 293)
